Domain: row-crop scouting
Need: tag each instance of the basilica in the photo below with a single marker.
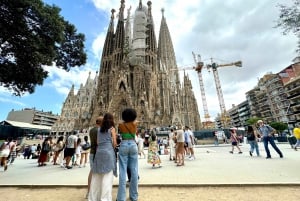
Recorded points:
(136, 71)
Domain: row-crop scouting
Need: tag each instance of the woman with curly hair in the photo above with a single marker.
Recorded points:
(128, 155)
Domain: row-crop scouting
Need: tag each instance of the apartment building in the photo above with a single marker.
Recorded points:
(276, 96)
(268, 100)
(32, 116)
(292, 89)
(252, 100)
(239, 114)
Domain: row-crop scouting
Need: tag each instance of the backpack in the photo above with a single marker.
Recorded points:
(86, 146)
(250, 136)
(46, 148)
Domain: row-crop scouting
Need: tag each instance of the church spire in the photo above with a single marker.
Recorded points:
(165, 46)
(151, 43)
(71, 92)
(108, 44)
(120, 35)
(127, 45)
(120, 27)
(108, 47)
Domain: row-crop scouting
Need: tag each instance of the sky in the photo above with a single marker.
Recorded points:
(220, 31)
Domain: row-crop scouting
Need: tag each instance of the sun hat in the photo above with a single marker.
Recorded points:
(260, 121)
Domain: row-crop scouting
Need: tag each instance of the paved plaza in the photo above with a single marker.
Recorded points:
(214, 165)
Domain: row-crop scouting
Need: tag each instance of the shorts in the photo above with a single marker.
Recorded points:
(69, 152)
(234, 143)
(190, 145)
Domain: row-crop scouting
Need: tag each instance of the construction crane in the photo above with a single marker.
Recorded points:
(199, 66)
(214, 67)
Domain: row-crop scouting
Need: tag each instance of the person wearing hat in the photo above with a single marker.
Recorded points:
(296, 133)
(266, 132)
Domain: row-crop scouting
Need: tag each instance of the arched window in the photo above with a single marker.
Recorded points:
(122, 86)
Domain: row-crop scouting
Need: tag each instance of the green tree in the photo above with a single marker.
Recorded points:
(289, 19)
(279, 126)
(33, 34)
(252, 121)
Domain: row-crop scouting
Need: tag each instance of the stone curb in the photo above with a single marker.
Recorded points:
(161, 185)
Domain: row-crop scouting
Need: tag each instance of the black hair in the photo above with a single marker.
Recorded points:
(60, 138)
(153, 135)
(107, 122)
(129, 115)
(249, 129)
(79, 140)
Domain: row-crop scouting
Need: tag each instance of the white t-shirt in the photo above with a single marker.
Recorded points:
(187, 136)
(71, 140)
(180, 136)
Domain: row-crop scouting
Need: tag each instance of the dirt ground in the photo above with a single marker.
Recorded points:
(275, 193)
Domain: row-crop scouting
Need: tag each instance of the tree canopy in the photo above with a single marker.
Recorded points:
(279, 126)
(289, 20)
(253, 121)
(34, 34)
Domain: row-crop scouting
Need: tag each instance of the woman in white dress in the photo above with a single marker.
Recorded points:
(140, 142)
(172, 145)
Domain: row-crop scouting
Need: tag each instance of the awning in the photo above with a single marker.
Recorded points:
(25, 125)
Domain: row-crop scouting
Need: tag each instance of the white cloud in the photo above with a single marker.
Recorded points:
(9, 100)
(97, 45)
(62, 80)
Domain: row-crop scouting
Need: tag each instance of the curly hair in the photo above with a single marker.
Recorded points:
(129, 115)
(107, 122)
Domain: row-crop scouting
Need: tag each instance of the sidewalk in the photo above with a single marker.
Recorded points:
(213, 166)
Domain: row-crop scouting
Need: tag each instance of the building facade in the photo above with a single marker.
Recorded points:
(292, 88)
(33, 116)
(136, 72)
(239, 114)
(275, 97)
(76, 110)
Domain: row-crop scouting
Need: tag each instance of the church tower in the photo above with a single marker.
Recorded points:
(137, 72)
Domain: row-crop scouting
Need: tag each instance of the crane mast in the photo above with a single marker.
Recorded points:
(219, 89)
(214, 66)
(198, 68)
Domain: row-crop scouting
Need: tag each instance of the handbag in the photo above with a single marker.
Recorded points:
(86, 146)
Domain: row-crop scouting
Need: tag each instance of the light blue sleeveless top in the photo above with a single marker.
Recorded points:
(105, 159)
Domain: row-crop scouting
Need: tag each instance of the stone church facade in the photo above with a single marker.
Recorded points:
(136, 72)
